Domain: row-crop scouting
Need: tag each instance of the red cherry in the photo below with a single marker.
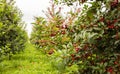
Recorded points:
(110, 70)
(111, 26)
(63, 32)
(72, 55)
(78, 57)
(53, 34)
(57, 26)
(115, 62)
(104, 60)
(64, 26)
(101, 19)
(83, 1)
(73, 58)
(77, 49)
(108, 22)
(85, 47)
(72, 31)
(114, 21)
(51, 51)
(114, 3)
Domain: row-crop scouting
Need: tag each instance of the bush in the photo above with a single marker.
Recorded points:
(12, 34)
(87, 42)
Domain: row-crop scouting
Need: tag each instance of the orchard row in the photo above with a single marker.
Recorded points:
(87, 39)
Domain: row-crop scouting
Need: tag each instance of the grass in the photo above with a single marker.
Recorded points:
(31, 61)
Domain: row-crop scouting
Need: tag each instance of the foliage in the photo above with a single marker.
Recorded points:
(87, 42)
(12, 33)
(69, 2)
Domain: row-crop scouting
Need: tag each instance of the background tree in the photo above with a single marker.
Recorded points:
(12, 34)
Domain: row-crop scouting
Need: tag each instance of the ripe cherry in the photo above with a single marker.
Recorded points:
(101, 19)
(111, 26)
(108, 22)
(72, 55)
(63, 32)
(77, 49)
(53, 34)
(57, 26)
(110, 70)
(115, 62)
(114, 21)
(64, 26)
(51, 51)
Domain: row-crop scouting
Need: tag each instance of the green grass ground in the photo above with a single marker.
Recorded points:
(31, 61)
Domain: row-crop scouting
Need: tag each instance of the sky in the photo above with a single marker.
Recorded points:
(31, 8)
